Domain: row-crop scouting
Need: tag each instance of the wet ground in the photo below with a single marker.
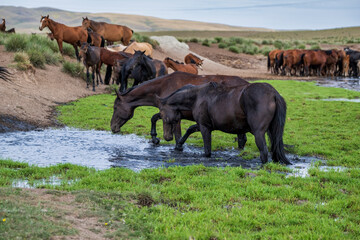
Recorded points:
(346, 83)
(102, 150)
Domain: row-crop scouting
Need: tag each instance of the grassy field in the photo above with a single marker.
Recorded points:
(198, 202)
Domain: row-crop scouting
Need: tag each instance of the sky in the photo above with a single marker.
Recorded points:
(274, 14)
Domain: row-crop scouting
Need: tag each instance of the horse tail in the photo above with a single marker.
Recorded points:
(108, 74)
(268, 61)
(89, 40)
(102, 42)
(276, 130)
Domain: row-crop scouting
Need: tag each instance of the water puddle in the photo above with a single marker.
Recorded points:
(340, 82)
(357, 100)
(103, 150)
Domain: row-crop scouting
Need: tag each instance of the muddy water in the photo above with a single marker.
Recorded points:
(102, 150)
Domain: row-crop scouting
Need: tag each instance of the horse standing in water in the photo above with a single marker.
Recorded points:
(91, 58)
(110, 32)
(145, 95)
(62, 33)
(177, 66)
(142, 68)
(191, 58)
(257, 108)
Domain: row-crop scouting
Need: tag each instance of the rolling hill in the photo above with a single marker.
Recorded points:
(26, 20)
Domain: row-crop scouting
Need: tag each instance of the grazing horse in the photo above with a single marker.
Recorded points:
(142, 68)
(191, 58)
(177, 66)
(145, 95)
(62, 33)
(3, 25)
(110, 32)
(257, 108)
(4, 74)
(91, 58)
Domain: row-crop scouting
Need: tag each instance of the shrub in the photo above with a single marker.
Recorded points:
(22, 61)
(301, 46)
(278, 44)
(265, 42)
(51, 57)
(15, 43)
(36, 57)
(218, 39)
(237, 40)
(74, 69)
(315, 47)
(222, 45)
(265, 51)
(206, 43)
(69, 50)
(194, 40)
(234, 49)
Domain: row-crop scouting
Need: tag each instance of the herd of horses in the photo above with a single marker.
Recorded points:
(130, 59)
(314, 62)
(3, 27)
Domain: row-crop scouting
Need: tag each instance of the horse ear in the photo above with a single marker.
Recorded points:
(47, 16)
(83, 18)
(117, 93)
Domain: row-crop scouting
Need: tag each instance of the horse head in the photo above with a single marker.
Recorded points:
(170, 116)
(83, 50)
(136, 59)
(86, 23)
(51, 36)
(44, 22)
(122, 113)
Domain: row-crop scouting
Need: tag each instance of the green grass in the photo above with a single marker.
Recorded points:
(316, 128)
(75, 69)
(193, 202)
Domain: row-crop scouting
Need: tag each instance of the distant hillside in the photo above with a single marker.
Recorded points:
(28, 19)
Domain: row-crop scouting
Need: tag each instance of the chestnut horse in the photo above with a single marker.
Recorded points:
(110, 32)
(3, 25)
(177, 66)
(257, 108)
(191, 58)
(146, 94)
(271, 64)
(292, 60)
(314, 59)
(62, 33)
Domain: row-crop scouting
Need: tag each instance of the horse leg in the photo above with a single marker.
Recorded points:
(93, 77)
(189, 131)
(261, 144)
(206, 135)
(153, 133)
(241, 138)
(99, 72)
(177, 132)
(87, 77)
(59, 42)
(76, 52)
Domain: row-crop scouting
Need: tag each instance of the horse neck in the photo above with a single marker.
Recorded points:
(94, 25)
(52, 25)
(143, 95)
(173, 65)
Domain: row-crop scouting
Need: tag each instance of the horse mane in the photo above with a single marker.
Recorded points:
(165, 99)
(175, 60)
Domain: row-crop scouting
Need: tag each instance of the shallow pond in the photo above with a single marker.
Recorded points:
(340, 82)
(102, 150)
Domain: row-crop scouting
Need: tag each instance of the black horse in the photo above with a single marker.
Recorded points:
(255, 108)
(354, 60)
(5, 74)
(141, 68)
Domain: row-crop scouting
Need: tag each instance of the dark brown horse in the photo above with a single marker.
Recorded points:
(141, 68)
(3, 25)
(91, 58)
(62, 33)
(11, 30)
(191, 58)
(177, 66)
(257, 108)
(110, 32)
(145, 95)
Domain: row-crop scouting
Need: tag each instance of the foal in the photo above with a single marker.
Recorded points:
(91, 58)
(177, 66)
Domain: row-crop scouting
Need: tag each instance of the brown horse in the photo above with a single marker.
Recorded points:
(257, 108)
(91, 58)
(332, 58)
(177, 66)
(343, 63)
(191, 58)
(110, 32)
(62, 33)
(292, 60)
(3, 25)
(271, 61)
(145, 95)
(109, 58)
(314, 59)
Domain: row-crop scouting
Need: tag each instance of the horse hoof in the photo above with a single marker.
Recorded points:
(155, 140)
(179, 147)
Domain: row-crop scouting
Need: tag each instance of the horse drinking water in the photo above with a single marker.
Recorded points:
(255, 108)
